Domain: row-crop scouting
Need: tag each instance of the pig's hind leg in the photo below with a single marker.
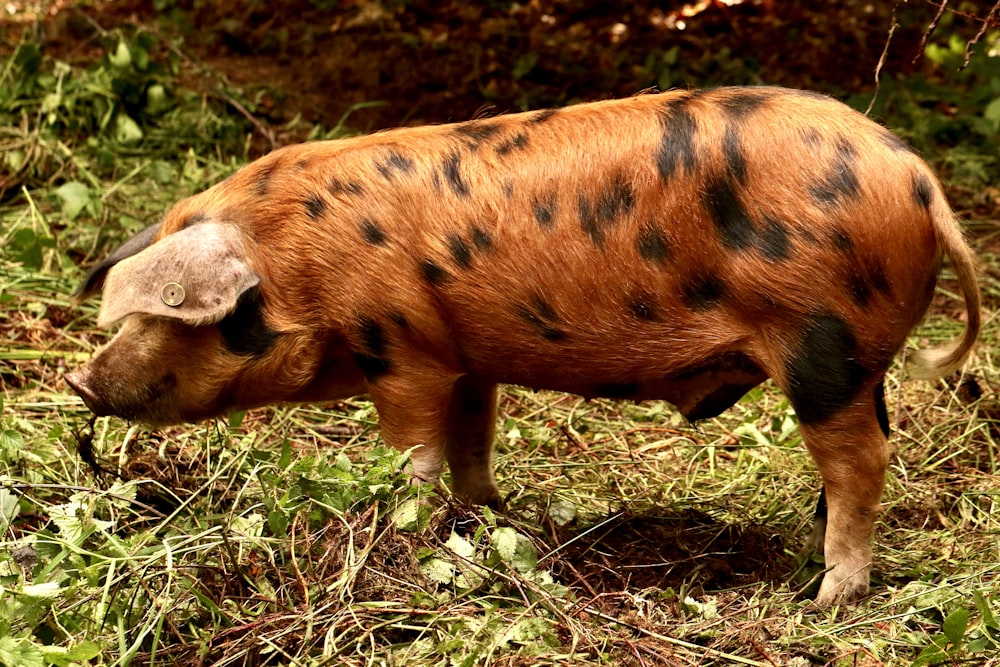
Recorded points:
(846, 434)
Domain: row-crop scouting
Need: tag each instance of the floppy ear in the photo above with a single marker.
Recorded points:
(195, 275)
(94, 281)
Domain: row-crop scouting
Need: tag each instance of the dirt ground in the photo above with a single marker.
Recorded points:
(428, 61)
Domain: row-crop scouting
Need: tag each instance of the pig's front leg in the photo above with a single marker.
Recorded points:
(441, 416)
(469, 449)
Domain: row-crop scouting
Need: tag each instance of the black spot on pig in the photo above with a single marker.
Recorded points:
(744, 101)
(543, 116)
(543, 318)
(595, 218)
(315, 206)
(841, 180)
(733, 152)
(676, 147)
(545, 211)
(339, 187)
(371, 358)
(652, 244)
(395, 163)
(642, 306)
(864, 278)
(245, 331)
(433, 273)
(481, 238)
(372, 232)
(703, 292)
(773, 240)
(824, 375)
(453, 174)
(372, 367)
(860, 290)
(372, 336)
(842, 241)
(616, 200)
(460, 251)
(923, 191)
(813, 139)
(263, 179)
(399, 319)
(726, 210)
(477, 132)
(588, 221)
(893, 142)
(875, 270)
(518, 142)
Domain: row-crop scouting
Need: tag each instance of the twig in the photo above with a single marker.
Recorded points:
(881, 60)
(979, 35)
(930, 31)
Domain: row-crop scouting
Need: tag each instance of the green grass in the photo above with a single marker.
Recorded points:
(290, 536)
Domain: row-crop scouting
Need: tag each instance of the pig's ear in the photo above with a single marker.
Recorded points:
(94, 281)
(195, 275)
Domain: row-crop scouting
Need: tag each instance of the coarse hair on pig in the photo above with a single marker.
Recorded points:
(682, 246)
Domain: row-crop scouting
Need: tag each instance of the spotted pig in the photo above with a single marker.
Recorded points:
(683, 246)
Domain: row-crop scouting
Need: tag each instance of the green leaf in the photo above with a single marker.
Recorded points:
(528, 630)
(62, 657)
(236, 418)
(411, 515)
(562, 511)
(20, 653)
(985, 611)
(992, 113)
(127, 131)
(75, 197)
(955, 625)
(11, 443)
(514, 549)
(438, 570)
(524, 64)
(277, 521)
(9, 508)
(122, 57)
(930, 655)
(460, 546)
(157, 100)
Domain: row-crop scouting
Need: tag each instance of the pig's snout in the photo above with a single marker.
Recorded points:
(114, 397)
(80, 383)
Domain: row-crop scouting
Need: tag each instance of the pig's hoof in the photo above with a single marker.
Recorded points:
(490, 497)
(847, 590)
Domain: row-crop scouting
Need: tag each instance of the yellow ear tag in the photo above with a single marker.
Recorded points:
(172, 294)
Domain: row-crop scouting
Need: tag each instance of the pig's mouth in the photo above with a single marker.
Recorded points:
(145, 405)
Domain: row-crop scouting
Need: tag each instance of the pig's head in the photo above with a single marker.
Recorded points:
(195, 341)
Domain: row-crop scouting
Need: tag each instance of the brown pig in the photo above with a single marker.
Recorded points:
(683, 246)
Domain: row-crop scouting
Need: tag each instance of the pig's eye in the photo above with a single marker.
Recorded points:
(244, 331)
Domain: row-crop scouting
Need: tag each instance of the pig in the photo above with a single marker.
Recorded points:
(681, 246)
